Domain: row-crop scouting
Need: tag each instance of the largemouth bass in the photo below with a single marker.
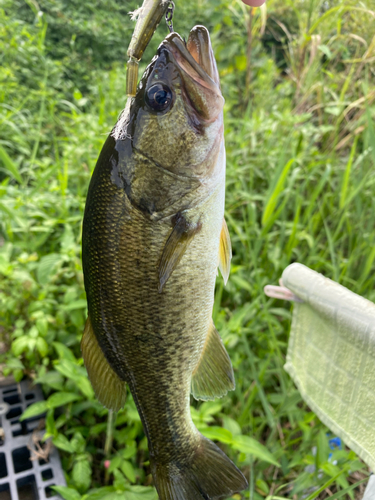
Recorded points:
(153, 237)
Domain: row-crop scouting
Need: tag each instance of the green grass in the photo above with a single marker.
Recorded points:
(300, 154)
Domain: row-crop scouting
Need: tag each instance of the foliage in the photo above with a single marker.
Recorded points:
(300, 139)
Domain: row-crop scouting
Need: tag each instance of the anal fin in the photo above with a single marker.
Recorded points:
(108, 387)
(225, 252)
(213, 377)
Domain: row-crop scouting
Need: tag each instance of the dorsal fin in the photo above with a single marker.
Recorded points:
(108, 387)
(177, 243)
(225, 252)
(213, 377)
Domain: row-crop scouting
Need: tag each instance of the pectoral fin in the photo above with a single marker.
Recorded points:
(108, 387)
(213, 377)
(177, 243)
(225, 252)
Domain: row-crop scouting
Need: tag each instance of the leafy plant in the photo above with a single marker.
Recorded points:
(299, 125)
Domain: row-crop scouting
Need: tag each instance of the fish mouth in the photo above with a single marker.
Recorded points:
(196, 62)
(196, 57)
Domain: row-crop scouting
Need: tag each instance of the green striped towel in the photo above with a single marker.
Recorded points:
(331, 356)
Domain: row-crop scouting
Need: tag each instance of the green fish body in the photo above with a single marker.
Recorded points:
(153, 237)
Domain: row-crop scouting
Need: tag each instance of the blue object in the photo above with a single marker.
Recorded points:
(335, 443)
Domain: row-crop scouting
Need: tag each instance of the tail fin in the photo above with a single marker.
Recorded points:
(208, 474)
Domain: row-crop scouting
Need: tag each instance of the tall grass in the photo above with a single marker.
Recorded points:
(300, 143)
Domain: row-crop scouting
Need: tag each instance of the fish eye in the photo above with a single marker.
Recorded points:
(158, 97)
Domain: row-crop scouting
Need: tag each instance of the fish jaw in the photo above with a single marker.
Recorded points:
(198, 70)
(199, 46)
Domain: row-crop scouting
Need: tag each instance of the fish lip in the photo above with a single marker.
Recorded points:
(176, 46)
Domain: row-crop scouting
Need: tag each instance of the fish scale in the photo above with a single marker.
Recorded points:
(153, 236)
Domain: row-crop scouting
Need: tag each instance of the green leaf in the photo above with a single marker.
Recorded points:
(231, 425)
(18, 375)
(50, 424)
(128, 470)
(371, 132)
(106, 492)
(68, 369)
(8, 165)
(333, 110)
(67, 493)
(42, 346)
(77, 373)
(115, 463)
(210, 408)
(61, 420)
(279, 182)
(142, 493)
(64, 352)
(42, 326)
(78, 442)
(61, 398)
(81, 474)
(47, 267)
(97, 429)
(84, 385)
(322, 449)
(129, 451)
(326, 51)
(77, 304)
(52, 379)
(60, 441)
(20, 345)
(35, 409)
(251, 446)
(14, 364)
(120, 482)
(218, 434)
(241, 62)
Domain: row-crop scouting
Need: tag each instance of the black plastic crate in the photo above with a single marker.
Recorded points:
(24, 476)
